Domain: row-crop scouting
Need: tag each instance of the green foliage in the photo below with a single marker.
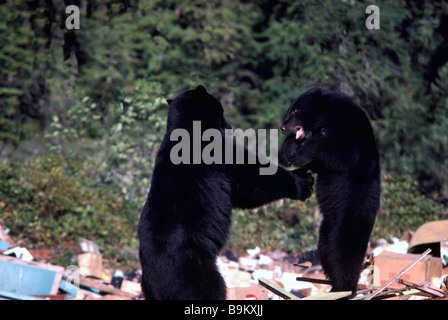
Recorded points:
(403, 208)
(21, 72)
(51, 200)
(132, 141)
(119, 146)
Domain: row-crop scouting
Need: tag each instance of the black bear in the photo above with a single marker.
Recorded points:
(332, 137)
(186, 219)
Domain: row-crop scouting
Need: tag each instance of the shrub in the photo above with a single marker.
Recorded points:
(50, 201)
(403, 207)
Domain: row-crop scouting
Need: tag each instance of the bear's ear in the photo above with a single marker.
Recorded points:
(169, 101)
(201, 89)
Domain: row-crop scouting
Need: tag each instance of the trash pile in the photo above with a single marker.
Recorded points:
(28, 275)
(415, 268)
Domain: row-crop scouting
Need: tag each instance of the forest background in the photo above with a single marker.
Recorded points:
(82, 111)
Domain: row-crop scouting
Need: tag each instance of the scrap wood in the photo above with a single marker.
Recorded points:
(313, 280)
(396, 293)
(305, 265)
(328, 295)
(98, 286)
(398, 275)
(386, 293)
(276, 289)
(101, 287)
(428, 290)
(286, 295)
(40, 254)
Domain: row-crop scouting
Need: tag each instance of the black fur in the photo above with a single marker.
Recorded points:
(186, 219)
(341, 149)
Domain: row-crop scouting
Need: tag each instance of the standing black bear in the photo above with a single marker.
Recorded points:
(187, 216)
(334, 139)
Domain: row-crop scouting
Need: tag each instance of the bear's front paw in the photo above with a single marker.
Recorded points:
(305, 184)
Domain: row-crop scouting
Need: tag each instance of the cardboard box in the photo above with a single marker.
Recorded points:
(90, 264)
(388, 264)
(247, 293)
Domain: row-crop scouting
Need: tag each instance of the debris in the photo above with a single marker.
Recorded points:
(62, 296)
(6, 238)
(117, 278)
(258, 275)
(89, 246)
(99, 287)
(17, 296)
(387, 264)
(397, 246)
(247, 293)
(40, 254)
(431, 291)
(20, 253)
(262, 273)
(90, 264)
(113, 297)
(82, 294)
(264, 260)
(289, 281)
(317, 278)
(4, 245)
(433, 235)
(329, 295)
(306, 264)
(239, 279)
(318, 296)
(322, 281)
(29, 277)
(395, 293)
(253, 252)
(398, 274)
(276, 289)
(132, 287)
(70, 285)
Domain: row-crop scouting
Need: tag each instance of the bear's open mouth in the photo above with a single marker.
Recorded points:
(300, 133)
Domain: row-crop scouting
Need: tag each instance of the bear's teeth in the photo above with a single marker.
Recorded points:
(300, 133)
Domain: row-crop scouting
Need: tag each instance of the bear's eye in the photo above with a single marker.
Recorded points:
(296, 111)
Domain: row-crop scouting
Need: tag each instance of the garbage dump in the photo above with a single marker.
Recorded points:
(409, 269)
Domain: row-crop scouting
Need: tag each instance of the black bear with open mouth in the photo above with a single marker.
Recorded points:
(331, 135)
